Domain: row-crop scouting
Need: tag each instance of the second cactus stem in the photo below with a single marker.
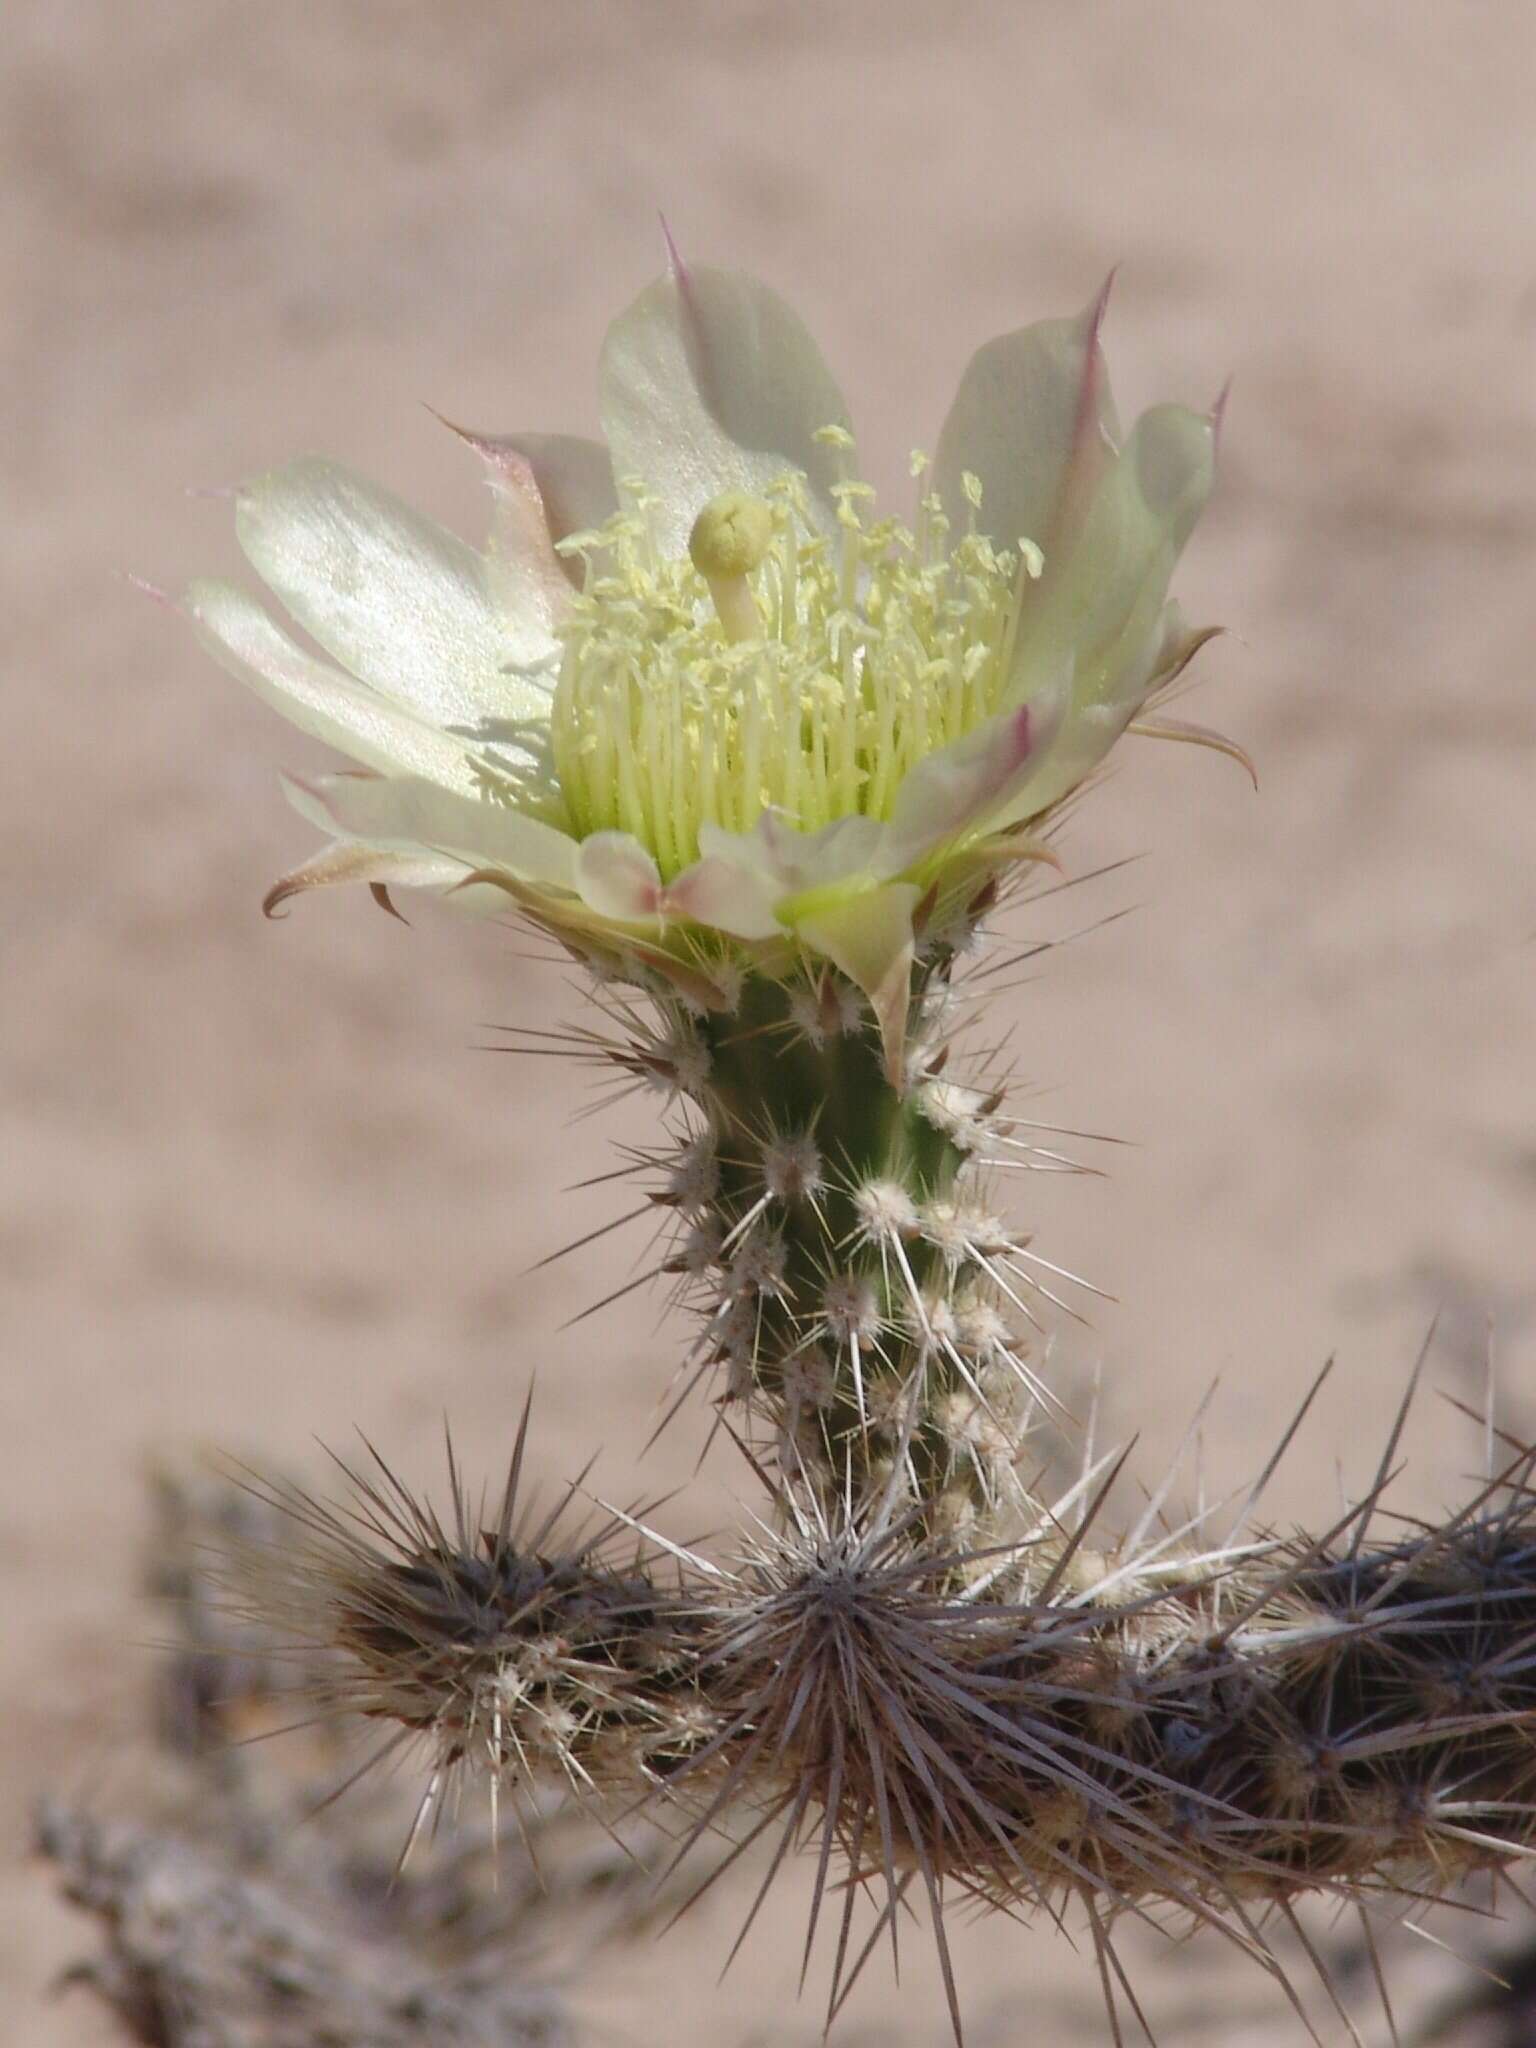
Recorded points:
(837, 1243)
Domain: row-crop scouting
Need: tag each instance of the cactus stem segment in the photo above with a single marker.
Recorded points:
(1147, 1726)
(832, 1233)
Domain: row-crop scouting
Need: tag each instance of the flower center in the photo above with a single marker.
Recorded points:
(773, 668)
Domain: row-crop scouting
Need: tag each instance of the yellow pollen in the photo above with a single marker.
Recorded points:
(773, 667)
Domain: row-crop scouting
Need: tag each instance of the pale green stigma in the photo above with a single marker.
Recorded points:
(772, 667)
(729, 539)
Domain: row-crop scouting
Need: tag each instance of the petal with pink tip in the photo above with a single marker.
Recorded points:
(966, 787)
(409, 814)
(741, 877)
(790, 861)
(727, 895)
(617, 878)
(1182, 729)
(1034, 422)
(1087, 734)
(709, 382)
(1107, 596)
(1178, 644)
(573, 476)
(378, 867)
(394, 597)
(869, 937)
(318, 698)
(1106, 693)
(1103, 611)
(524, 575)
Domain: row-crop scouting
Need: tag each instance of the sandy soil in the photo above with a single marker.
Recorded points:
(254, 1183)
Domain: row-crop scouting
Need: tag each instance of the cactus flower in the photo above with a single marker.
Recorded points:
(694, 700)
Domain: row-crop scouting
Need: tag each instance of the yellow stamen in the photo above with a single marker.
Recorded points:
(773, 666)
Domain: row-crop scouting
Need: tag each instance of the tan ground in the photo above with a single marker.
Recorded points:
(254, 1184)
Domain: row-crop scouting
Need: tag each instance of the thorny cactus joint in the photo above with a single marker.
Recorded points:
(769, 766)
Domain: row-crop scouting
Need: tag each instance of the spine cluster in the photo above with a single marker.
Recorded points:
(1128, 1728)
(918, 1671)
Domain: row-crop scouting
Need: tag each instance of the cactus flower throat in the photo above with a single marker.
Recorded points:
(771, 668)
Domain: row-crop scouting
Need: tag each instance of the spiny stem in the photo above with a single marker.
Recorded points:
(1216, 1732)
(832, 1294)
(835, 1240)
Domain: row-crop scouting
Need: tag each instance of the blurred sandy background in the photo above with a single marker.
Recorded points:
(254, 1183)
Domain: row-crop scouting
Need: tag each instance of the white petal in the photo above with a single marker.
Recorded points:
(1136, 528)
(617, 877)
(1173, 452)
(394, 597)
(1034, 421)
(572, 476)
(790, 861)
(575, 479)
(741, 877)
(710, 382)
(319, 699)
(727, 895)
(965, 787)
(1106, 698)
(1102, 611)
(406, 813)
(524, 575)
(1086, 737)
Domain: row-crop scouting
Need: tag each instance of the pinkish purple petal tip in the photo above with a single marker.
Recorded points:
(1098, 306)
(484, 445)
(675, 263)
(1218, 413)
(508, 462)
(150, 590)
